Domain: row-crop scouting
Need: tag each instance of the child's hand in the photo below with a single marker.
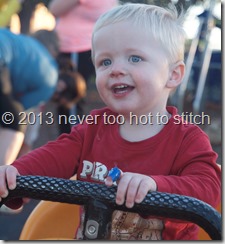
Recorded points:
(7, 177)
(132, 188)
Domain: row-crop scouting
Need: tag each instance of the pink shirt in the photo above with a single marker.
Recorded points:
(75, 27)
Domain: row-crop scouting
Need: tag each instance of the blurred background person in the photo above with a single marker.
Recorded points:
(70, 90)
(28, 78)
(28, 12)
(74, 23)
(71, 87)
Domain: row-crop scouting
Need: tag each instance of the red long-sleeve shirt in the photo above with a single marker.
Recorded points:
(179, 158)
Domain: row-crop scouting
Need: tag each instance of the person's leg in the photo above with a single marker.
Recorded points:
(25, 16)
(64, 126)
(86, 69)
(10, 144)
(85, 66)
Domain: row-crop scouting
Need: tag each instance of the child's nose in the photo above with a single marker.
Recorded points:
(118, 68)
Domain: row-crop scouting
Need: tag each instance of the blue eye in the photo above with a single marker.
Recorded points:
(106, 62)
(135, 59)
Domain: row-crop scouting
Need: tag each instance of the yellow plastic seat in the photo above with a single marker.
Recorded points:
(52, 221)
(58, 221)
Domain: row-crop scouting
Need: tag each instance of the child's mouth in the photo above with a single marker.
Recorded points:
(121, 89)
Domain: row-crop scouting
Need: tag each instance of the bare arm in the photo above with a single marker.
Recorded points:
(60, 7)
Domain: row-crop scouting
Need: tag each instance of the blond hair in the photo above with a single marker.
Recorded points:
(164, 25)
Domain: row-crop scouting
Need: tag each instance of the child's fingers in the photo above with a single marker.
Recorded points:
(114, 175)
(5, 193)
(122, 188)
(11, 173)
(132, 191)
(142, 192)
(146, 185)
(108, 181)
(3, 185)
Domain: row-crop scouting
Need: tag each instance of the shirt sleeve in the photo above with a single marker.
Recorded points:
(59, 158)
(195, 172)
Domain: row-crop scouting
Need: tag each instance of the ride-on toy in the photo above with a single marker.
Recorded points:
(99, 202)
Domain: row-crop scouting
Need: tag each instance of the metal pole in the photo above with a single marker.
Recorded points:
(205, 63)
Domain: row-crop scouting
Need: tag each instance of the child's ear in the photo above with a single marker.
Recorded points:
(176, 74)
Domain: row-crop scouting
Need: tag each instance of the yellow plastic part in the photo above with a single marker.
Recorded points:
(59, 221)
(51, 221)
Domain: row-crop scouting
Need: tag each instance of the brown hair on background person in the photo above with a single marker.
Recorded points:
(70, 90)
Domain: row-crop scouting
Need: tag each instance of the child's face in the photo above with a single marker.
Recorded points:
(132, 70)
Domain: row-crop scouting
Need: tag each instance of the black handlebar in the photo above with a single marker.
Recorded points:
(156, 204)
